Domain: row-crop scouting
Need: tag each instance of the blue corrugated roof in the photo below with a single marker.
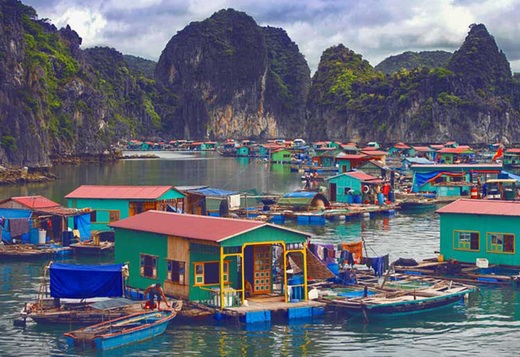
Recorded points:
(214, 192)
(419, 160)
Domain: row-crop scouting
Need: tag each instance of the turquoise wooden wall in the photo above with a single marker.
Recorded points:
(343, 182)
(484, 225)
(102, 208)
(129, 245)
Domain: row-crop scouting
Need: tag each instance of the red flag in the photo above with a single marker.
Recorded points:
(498, 153)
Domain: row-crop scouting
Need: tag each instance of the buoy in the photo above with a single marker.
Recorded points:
(366, 189)
(474, 192)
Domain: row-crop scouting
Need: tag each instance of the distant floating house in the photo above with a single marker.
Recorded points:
(407, 162)
(209, 260)
(348, 162)
(451, 180)
(480, 229)
(112, 203)
(456, 155)
(350, 187)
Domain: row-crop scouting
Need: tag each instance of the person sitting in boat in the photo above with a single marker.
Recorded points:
(155, 291)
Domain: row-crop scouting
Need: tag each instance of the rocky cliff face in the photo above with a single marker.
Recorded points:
(57, 100)
(233, 78)
(471, 101)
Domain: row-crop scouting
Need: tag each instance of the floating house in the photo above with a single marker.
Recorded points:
(375, 168)
(47, 218)
(348, 162)
(425, 151)
(281, 156)
(511, 158)
(451, 180)
(456, 155)
(212, 260)
(350, 187)
(471, 230)
(401, 149)
(112, 203)
(407, 162)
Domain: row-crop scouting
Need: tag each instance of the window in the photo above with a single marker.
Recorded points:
(500, 243)
(176, 271)
(208, 273)
(149, 266)
(466, 241)
(113, 216)
(93, 217)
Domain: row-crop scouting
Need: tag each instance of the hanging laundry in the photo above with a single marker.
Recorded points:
(18, 226)
(355, 248)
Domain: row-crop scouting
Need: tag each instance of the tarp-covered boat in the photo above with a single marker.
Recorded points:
(122, 331)
(81, 294)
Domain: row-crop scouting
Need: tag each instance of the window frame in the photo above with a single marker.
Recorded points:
(142, 267)
(199, 276)
(499, 247)
(465, 245)
(181, 275)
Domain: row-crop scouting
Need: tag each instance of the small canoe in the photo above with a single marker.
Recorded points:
(121, 331)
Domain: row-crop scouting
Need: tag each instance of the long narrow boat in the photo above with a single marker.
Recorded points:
(381, 304)
(121, 331)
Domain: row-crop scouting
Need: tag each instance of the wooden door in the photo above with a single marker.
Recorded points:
(262, 269)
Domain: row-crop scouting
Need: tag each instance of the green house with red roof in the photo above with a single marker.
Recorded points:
(472, 229)
(209, 259)
(112, 203)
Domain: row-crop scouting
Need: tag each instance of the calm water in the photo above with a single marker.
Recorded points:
(487, 324)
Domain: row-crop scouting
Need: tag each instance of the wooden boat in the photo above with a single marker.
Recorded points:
(377, 303)
(30, 251)
(83, 312)
(92, 247)
(122, 331)
(417, 205)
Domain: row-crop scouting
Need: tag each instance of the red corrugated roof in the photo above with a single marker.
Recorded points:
(486, 207)
(35, 201)
(362, 176)
(119, 192)
(207, 228)
(513, 151)
(374, 152)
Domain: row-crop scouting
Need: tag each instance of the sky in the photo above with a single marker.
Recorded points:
(376, 29)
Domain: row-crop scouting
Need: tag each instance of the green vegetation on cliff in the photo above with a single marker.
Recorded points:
(411, 60)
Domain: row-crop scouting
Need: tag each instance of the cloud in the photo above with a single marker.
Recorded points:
(375, 29)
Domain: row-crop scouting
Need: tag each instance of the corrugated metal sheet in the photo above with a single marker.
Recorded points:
(485, 207)
(35, 201)
(207, 228)
(360, 175)
(119, 192)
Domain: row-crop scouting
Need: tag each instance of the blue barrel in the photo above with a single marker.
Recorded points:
(357, 198)
(380, 199)
(350, 199)
(391, 196)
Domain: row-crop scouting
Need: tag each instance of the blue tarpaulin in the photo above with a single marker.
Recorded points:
(213, 192)
(84, 281)
(83, 225)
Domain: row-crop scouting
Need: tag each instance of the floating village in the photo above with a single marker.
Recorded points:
(190, 253)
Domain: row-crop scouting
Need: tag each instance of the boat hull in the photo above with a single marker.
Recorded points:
(401, 308)
(121, 331)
